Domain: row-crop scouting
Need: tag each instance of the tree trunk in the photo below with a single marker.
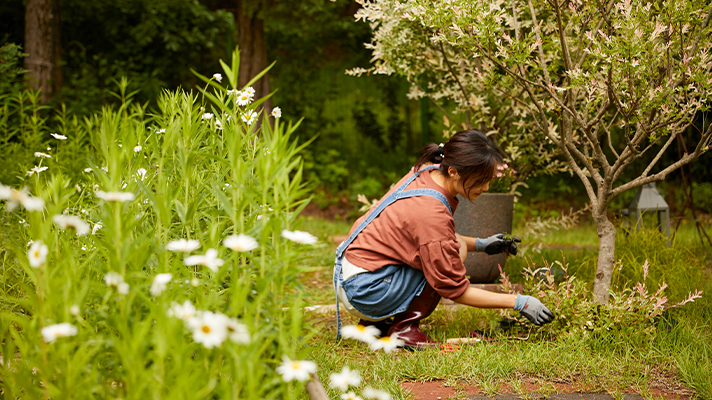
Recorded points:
(38, 44)
(253, 51)
(606, 255)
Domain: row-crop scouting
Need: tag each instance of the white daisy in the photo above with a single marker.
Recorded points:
(366, 334)
(218, 124)
(70, 221)
(116, 280)
(141, 173)
(105, 169)
(371, 393)
(240, 242)
(138, 148)
(217, 77)
(237, 332)
(162, 130)
(350, 396)
(37, 254)
(15, 197)
(299, 237)
(42, 155)
(53, 332)
(88, 170)
(344, 379)
(74, 310)
(233, 92)
(386, 343)
(36, 170)
(299, 370)
(160, 283)
(250, 91)
(249, 117)
(209, 328)
(96, 228)
(210, 260)
(243, 98)
(115, 196)
(184, 311)
(58, 136)
(184, 245)
(207, 116)
(277, 112)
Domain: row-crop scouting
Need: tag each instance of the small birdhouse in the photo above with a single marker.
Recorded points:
(648, 200)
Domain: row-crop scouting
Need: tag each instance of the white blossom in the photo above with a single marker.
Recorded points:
(141, 173)
(240, 242)
(299, 370)
(210, 260)
(299, 237)
(250, 91)
(184, 311)
(350, 396)
(15, 197)
(217, 77)
(58, 136)
(37, 254)
(54, 332)
(96, 228)
(42, 155)
(74, 310)
(371, 393)
(386, 343)
(162, 130)
(277, 112)
(243, 98)
(160, 283)
(237, 332)
(344, 379)
(36, 170)
(70, 221)
(183, 245)
(249, 117)
(366, 334)
(116, 280)
(207, 116)
(115, 196)
(218, 124)
(209, 328)
(138, 148)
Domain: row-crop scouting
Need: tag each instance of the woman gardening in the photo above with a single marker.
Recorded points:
(404, 255)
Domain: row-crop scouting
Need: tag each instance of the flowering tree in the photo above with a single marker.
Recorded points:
(607, 82)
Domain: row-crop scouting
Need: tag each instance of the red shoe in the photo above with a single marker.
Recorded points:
(406, 324)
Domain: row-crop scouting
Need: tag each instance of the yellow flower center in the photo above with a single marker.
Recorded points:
(205, 329)
(37, 254)
(386, 339)
(296, 365)
(362, 328)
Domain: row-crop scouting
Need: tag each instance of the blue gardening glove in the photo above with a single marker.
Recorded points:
(533, 309)
(496, 244)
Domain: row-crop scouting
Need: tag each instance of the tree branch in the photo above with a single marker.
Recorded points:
(537, 31)
(452, 72)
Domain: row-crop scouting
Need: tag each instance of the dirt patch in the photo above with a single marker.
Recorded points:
(664, 386)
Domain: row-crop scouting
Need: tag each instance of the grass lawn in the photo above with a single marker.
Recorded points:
(676, 359)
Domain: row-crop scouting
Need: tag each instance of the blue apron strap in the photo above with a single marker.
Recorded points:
(393, 197)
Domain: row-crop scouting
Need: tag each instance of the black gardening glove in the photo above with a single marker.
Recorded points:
(499, 243)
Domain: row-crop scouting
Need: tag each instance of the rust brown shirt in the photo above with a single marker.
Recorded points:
(417, 231)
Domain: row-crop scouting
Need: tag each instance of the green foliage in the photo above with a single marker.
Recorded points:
(183, 174)
(11, 70)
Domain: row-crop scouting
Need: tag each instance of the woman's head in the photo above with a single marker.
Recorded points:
(469, 156)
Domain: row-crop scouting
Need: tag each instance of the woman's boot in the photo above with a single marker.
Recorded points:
(406, 324)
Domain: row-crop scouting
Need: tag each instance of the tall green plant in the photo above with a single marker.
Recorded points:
(166, 270)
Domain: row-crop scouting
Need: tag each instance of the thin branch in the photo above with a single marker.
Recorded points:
(610, 142)
(452, 72)
(537, 31)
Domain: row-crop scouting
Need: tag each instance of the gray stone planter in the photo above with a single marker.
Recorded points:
(489, 214)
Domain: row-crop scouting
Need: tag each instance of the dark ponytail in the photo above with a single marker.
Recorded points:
(473, 155)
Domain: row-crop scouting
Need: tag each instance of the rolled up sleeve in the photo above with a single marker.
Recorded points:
(443, 268)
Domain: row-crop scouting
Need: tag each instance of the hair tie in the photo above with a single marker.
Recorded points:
(440, 153)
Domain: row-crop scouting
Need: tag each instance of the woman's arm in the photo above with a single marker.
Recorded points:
(483, 299)
(466, 241)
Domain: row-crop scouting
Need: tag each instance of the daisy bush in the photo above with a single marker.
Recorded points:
(152, 261)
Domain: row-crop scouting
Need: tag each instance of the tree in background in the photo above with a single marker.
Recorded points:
(43, 46)
(606, 82)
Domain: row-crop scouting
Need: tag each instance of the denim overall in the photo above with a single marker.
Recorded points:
(390, 289)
